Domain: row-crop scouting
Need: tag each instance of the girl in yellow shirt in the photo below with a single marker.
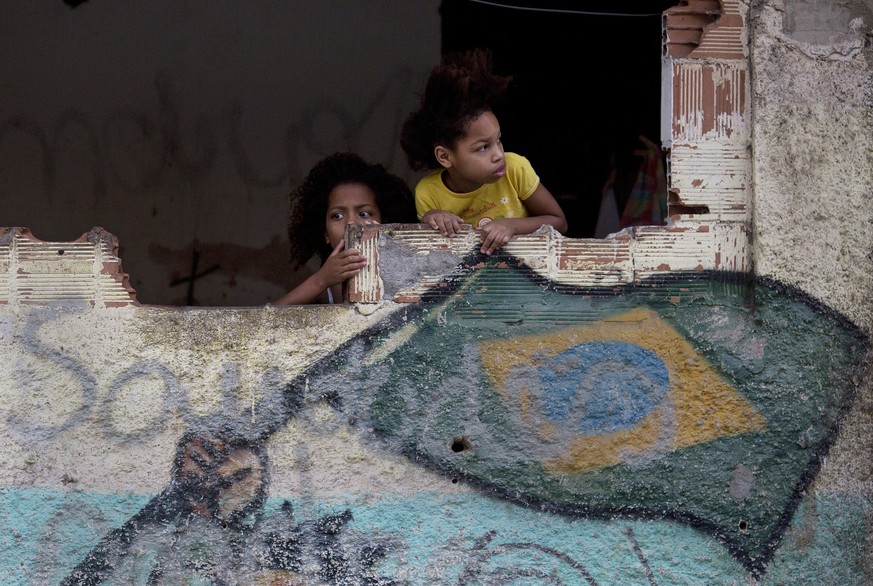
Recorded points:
(456, 134)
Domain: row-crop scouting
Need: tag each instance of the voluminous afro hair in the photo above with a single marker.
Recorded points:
(308, 203)
(458, 91)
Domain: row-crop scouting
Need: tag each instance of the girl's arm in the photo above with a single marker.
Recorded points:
(542, 208)
(339, 266)
(309, 291)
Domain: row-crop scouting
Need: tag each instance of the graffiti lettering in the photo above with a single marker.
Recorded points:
(36, 418)
(37, 415)
(139, 151)
(175, 399)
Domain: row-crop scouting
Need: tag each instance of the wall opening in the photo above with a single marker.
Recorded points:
(587, 85)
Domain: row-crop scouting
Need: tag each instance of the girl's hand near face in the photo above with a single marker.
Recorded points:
(341, 265)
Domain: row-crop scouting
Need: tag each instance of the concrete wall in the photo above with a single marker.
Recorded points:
(182, 126)
(813, 136)
(813, 219)
(508, 425)
(643, 409)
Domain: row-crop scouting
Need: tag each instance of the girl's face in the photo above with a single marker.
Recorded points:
(349, 203)
(477, 158)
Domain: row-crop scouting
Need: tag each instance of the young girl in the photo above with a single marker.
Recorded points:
(456, 133)
(339, 190)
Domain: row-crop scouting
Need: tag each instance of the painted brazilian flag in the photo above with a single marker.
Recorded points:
(691, 398)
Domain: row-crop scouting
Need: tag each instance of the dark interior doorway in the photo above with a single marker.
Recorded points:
(587, 83)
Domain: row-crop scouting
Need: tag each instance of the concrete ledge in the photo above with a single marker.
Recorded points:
(86, 270)
(407, 262)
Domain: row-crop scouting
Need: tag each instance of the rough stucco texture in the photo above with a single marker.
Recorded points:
(813, 160)
(813, 136)
(509, 428)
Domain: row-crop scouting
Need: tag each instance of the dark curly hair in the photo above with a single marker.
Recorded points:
(457, 92)
(308, 203)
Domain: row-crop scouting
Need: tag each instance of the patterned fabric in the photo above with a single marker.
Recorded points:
(647, 202)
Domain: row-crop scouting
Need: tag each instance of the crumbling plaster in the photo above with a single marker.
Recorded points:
(811, 228)
(812, 118)
(362, 405)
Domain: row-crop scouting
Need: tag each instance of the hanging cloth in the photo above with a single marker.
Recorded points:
(607, 216)
(647, 202)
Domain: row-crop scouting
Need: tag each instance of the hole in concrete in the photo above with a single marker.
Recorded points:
(675, 206)
(461, 444)
(454, 481)
(688, 210)
(685, 24)
(61, 252)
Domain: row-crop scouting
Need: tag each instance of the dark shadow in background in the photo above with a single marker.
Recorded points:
(585, 86)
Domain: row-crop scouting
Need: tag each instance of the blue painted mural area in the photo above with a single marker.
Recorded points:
(432, 539)
(652, 434)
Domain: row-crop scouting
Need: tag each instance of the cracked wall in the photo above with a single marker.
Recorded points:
(663, 406)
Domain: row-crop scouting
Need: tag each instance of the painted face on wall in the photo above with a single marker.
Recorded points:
(349, 203)
(220, 478)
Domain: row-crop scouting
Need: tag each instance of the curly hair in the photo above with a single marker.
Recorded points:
(308, 202)
(457, 92)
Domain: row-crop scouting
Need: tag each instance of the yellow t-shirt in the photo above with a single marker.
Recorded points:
(493, 201)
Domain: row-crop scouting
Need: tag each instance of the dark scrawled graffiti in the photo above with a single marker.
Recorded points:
(139, 151)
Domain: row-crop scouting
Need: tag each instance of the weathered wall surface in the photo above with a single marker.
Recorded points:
(182, 126)
(813, 150)
(813, 219)
(516, 423)
(637, 410)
